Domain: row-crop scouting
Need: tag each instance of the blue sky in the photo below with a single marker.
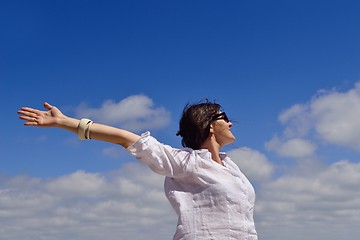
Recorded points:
(286, 72)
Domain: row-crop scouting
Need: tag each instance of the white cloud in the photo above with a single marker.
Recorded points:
(323, 205)
(331, 117)
(295, 147)
(129, 203)
(310, 200)
(337, 116)
(252, 163)
(135, 113)
(77, 184)
(292, 112)
(87, 206)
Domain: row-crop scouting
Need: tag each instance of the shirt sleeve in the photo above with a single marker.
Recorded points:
(162, 159)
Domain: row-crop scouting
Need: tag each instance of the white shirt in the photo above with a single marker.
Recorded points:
(211, 201)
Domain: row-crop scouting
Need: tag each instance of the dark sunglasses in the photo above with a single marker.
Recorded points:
(220, 116)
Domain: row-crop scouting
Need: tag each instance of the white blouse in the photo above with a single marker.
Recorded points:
(211, 201)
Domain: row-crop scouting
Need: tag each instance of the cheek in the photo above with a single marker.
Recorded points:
(222, 129)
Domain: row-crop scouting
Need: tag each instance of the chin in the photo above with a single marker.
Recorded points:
(230, 141)
(233, 138)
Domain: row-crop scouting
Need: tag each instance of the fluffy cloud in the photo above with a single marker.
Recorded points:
(330, 117)
(337, 116)
(252, 163)
(307, 199)
(322, 205)
(126, 204)
(295, 147)
(78, 184)
(129, 203)
(134, 113)
(312, 200)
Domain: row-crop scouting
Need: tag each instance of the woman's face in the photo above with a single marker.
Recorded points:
(221, 129)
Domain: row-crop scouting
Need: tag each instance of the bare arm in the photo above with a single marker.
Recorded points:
(53, 117)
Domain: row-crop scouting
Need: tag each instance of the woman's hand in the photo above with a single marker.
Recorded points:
(35, 117)
(54, 118)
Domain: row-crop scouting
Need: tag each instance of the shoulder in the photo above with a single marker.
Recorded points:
(149, 144)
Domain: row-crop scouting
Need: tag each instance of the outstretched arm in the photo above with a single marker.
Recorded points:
(53, 117)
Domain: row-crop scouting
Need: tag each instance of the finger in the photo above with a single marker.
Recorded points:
(29, 111)
(31, 124)
(30, 121)
(47, 106)
(28, 118)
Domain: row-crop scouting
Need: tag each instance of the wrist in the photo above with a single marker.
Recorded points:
(67, 123)
(61, 121)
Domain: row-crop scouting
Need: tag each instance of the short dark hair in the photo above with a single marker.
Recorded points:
(194, 125)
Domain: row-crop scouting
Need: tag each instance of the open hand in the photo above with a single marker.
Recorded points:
(35, 117)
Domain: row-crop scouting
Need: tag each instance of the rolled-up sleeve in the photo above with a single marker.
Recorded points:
(162, 159)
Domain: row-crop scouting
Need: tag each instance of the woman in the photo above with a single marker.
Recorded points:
(210, 195)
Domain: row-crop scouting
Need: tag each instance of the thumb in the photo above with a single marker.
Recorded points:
(47, 105)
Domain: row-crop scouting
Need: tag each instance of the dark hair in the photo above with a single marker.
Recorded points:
(194, 125)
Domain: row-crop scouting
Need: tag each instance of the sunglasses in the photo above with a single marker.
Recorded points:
(220, 116)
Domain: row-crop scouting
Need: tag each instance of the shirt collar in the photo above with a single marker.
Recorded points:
(203, 152)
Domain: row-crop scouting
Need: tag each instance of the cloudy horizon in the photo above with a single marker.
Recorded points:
(301, 200)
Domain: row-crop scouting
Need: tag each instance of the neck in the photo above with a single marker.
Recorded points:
(214, 149)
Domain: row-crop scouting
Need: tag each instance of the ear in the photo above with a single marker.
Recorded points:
(211, 128)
